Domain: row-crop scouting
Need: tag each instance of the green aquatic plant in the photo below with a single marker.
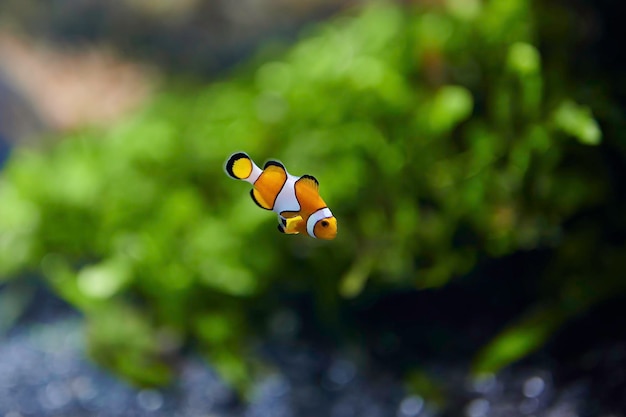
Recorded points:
(432, 134)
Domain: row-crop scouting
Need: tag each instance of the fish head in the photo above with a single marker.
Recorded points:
(326, 228)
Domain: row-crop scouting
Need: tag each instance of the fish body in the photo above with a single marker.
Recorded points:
(296, 200)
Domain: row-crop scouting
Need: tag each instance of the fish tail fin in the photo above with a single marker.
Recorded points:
(241, 167)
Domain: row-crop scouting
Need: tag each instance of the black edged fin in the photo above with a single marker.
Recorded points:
(229, 167)
(273, 163)
(258, 200)
(283, 221)
(281, 229)
(310, 180)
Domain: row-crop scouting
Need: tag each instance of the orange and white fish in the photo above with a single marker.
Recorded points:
(296, 200)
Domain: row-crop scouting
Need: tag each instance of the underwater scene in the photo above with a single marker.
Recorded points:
(312, 208)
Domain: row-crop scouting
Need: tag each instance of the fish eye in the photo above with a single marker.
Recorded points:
(324, 223)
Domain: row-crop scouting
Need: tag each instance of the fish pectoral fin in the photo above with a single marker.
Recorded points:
(293, 224)
(258, 199)
(287, 230)
(309, 181)
(293, 220)
(290, 225)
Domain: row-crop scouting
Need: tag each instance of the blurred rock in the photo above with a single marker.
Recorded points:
(66, 89)
(44, 372)
(68, 70)
(195, 36)
(17, 116)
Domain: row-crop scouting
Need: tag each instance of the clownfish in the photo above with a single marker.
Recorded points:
(296, 200)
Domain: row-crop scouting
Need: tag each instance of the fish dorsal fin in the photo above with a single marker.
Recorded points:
(272, 165)
(270, 183)
(276, 171)
(309, 181)
(258, 199)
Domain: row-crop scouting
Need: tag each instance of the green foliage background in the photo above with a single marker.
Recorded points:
(440, 136)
